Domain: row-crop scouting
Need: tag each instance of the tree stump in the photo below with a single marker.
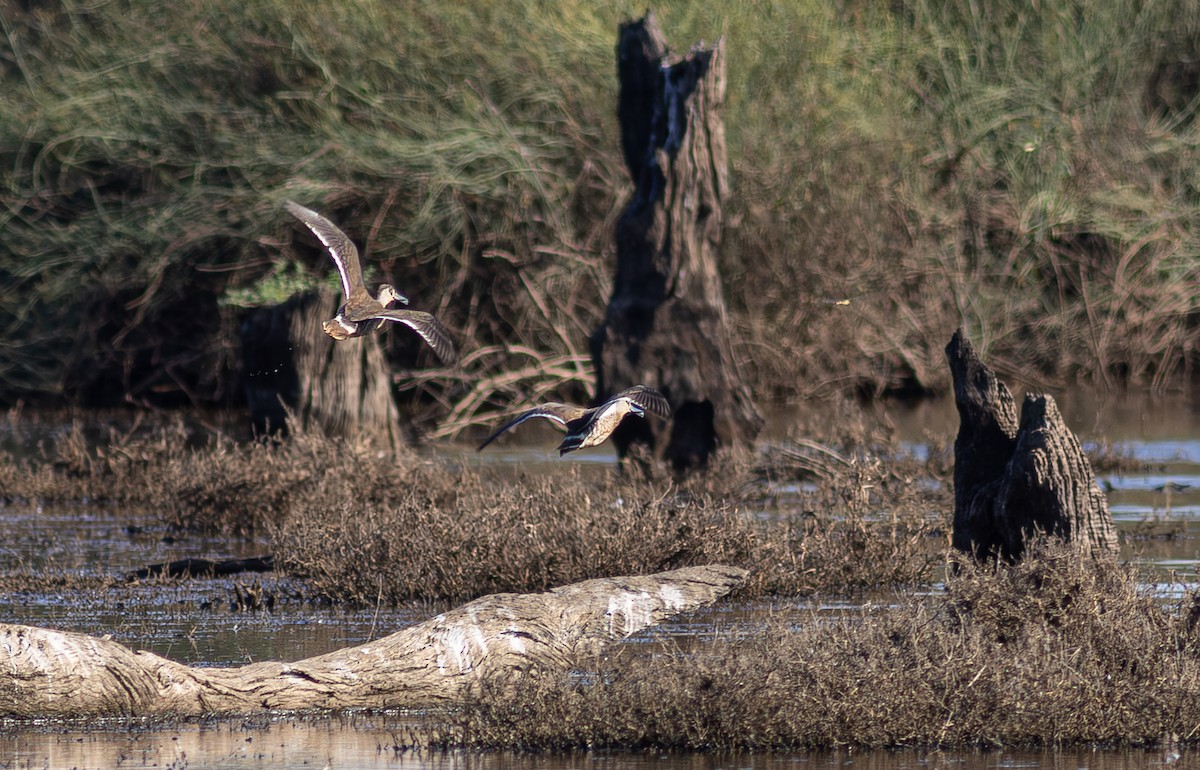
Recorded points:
(292, 368)
(1014, 480)
(665, 325)
(53, 674)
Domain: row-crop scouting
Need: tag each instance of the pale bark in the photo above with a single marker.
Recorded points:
(1014, 480)
(46, 673)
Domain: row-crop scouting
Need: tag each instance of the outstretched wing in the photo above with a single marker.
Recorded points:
(427, 325)
(559, 414)
(646, 397)
(339, 246)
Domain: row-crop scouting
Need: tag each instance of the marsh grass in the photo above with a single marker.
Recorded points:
(363, 526)
(1025, 172)
(1051, 652)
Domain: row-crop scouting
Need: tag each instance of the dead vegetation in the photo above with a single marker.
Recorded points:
(1048, 653)
(364, 526)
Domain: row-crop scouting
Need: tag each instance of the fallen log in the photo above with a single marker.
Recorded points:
(1015, 480)
(55, 674)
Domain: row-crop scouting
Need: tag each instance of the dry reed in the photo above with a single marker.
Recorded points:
(1052, 652)
(360, 524)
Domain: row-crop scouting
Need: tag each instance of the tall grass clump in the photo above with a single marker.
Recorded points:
(898, 170)
(146, 156)
(1025, 171)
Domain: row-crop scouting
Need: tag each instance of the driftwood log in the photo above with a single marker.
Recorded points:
(45, 673)
(293, 369)
(1017, 479)
(665, 325)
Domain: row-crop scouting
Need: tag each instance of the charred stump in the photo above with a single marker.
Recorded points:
(55, 674)
(1017, 479)
(293, 369)
(665, 325)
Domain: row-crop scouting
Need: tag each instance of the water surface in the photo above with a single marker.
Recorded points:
(1157, 510)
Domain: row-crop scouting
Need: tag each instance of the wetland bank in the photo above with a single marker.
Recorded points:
(847, 634)
(1004, 177)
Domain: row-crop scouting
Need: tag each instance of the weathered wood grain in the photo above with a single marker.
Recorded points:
(665, 325)
(47, 673)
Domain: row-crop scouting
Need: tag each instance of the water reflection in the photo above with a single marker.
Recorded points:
(364, 741)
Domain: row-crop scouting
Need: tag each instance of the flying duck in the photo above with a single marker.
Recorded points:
(361, 313)
(589, 427)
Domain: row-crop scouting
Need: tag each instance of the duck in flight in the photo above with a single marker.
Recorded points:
(361, 313)
(589, 427)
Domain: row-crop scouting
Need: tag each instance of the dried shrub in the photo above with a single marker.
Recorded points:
(363, 525)
(470, 536)
(1048, 653)
(454, 534)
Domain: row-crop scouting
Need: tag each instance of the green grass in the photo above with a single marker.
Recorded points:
(1027, 174)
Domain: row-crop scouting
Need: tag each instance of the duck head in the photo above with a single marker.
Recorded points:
(388, 295)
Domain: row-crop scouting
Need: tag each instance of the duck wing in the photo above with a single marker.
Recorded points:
(559, 414)
(646, 397)
(339, 246)
(427, 325)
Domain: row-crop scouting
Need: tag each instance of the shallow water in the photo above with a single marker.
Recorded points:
(359, 741)
(1157, 511)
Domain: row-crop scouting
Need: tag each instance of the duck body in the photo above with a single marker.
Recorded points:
(365, 316)
(595, 427)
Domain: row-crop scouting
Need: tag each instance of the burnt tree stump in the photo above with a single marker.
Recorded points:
(437, 663)
(293, 369)
(665, 325)
(1014, 480)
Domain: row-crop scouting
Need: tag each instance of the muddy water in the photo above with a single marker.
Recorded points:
(1158, 512)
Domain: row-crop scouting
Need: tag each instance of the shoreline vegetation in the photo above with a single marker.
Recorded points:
(896, 172)
(361, 525)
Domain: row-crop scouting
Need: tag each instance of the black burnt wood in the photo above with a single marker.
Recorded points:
(665, 324)
(1016, 479)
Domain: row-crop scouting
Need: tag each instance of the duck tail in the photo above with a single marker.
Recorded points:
(570, 443)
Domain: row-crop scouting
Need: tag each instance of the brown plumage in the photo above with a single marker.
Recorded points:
(589, 427)
(361, 313)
